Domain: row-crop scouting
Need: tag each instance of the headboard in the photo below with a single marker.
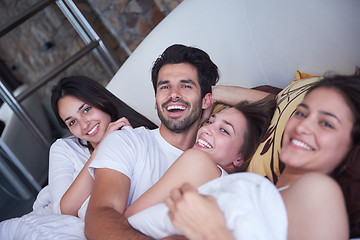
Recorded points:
(253, 42)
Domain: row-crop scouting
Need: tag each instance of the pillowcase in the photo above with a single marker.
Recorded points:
(266, 158)
(302, 75)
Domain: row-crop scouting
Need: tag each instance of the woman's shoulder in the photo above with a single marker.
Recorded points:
(316, 179)
(70, 141)
(197, 153)
(317, 185)
(198, 157)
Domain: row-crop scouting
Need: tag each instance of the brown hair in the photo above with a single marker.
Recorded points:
(258, 116)
(347, 174)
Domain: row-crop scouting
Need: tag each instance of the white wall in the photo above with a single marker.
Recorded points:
(253, 42)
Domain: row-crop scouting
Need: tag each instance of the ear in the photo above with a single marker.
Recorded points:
(238, 162)
(206, 102)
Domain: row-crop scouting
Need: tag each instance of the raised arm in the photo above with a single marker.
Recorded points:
(104, 217)
(231, 95)
(193, 166)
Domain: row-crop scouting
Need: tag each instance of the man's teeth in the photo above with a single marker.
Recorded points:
(93, 129)
(175, 107)
(204, 144)
(301, 144)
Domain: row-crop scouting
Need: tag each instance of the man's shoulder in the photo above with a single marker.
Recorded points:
(135, 132)
(130, 135)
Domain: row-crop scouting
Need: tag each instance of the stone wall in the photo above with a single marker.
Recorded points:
(47, 39)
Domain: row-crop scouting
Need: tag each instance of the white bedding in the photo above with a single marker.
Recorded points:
(43, 224)
(40, 226)
(252, 206)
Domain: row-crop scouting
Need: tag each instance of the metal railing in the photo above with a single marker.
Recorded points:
(93, 44)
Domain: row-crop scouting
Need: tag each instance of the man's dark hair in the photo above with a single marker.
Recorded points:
(207, 70)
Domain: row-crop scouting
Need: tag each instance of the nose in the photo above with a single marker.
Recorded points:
(305, 126)
(84, 122)
(174, 94)
(207, 129)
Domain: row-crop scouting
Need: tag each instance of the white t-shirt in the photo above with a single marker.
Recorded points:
(66, 160)
(141, 154)
(251, 204)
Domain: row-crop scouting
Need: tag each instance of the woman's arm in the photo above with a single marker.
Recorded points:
(316, 209)
(81, 187)
(196, 216)
(193, 166)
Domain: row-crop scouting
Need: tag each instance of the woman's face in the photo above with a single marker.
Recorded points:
(318, 136)
(84, 121)
(222, 137)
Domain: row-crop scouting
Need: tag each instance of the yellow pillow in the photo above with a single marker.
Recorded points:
(302, 75)
(266, 158)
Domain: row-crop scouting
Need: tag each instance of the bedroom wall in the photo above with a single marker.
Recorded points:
(45, 40)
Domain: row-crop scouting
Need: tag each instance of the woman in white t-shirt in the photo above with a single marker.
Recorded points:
(90, 112)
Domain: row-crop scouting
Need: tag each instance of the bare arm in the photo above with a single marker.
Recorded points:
(193, 166)
(104, 217)
(232, 95)
(81, 188)
(197, 216)
(316, 209)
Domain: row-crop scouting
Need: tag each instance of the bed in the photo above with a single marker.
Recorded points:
(253, 42)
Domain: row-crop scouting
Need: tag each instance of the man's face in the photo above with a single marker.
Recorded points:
(178, 97)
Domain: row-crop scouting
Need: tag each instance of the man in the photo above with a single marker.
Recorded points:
(131, 160)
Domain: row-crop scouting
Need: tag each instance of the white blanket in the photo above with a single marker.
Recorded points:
(252, 206)
(43, 224)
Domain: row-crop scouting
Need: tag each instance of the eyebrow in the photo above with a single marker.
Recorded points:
(77, 111)
(228, 123)
(224, 121)
(322, 112)
(189, 81)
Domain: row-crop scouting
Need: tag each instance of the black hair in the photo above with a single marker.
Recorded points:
(258, 116)
(96, 95)
(207, 70)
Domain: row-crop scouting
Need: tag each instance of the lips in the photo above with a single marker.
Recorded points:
(175, 108)
(93, 129)
(202, 143)
(301, 144)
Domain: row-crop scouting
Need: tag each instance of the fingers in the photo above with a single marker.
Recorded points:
(177, 195)
(186, 187)
(118, 124)
(121, 122)
(113, 126)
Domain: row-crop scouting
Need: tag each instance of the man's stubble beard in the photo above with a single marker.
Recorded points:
(178, 126)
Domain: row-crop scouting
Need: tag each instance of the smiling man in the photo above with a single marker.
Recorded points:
(130, 161)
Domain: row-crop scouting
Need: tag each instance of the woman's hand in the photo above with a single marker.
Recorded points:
(113, 126)
(195, 215)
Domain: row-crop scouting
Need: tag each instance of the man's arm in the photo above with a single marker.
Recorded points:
(232, 95)
(104, 217)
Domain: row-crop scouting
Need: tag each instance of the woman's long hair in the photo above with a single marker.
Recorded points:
(96, 95)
